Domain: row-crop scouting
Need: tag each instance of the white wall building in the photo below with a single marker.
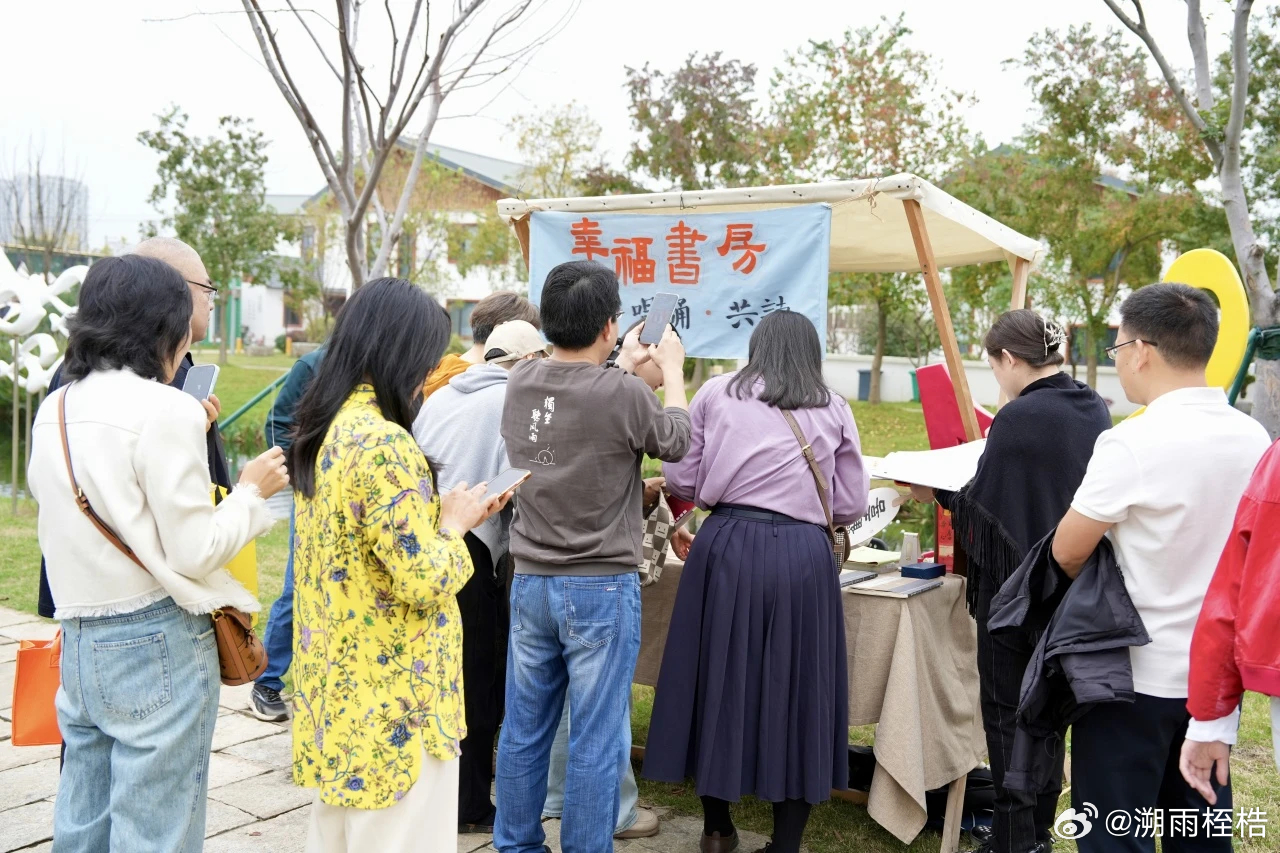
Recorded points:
(474, 182)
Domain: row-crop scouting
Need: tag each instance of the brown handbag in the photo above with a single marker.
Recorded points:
(241, 655)
(839, 536)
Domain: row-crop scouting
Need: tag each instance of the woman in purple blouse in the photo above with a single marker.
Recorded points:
(753, 694)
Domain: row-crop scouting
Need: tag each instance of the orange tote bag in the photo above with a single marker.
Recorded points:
(37, 674)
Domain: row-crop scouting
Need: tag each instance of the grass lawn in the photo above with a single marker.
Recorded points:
(239, 380)
(835, 827)
(243, 376)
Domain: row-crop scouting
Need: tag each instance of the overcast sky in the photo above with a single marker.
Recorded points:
(85, 77)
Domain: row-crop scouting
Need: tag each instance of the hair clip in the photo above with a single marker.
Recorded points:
(1054, 336)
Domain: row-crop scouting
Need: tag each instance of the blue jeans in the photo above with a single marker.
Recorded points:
(628, 792)
(137, 706)
(278, 638)
(580, 636)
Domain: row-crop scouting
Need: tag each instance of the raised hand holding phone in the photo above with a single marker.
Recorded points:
(507, 482)
(661, 310)
(464, 507)
(200, 380)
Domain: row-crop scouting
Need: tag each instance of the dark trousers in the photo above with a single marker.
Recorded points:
(1021, 817)
(1124, 758)
(485, 617)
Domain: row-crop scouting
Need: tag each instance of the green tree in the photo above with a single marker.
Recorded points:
(698, 125)
(560, 147)
(866, 105)
(216, 187)
(1228, 118)
(1099, 115)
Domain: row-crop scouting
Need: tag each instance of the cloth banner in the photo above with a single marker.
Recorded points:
(730, 269)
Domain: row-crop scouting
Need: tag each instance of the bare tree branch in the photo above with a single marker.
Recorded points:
(373, 123)
(398, 79)
(293, 96)
(415, 98)
(1239, 84)
(314, 40)
(44, 207)
(1139, 28)
(395, 42)
(433, 114)
(1200, 55)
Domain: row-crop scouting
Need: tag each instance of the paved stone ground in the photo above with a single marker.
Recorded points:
(252, 804)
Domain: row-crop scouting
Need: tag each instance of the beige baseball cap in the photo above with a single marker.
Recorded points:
(512, 341)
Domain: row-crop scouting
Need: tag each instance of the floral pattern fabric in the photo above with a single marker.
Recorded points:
(377, 636)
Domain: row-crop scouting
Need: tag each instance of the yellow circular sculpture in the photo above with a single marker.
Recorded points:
(1212, 271)
(1209, 269)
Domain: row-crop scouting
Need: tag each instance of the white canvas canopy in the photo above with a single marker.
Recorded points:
(869, 230)
(901, 223)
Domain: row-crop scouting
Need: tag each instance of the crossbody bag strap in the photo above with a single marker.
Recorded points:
(807, 450)
(81, 501)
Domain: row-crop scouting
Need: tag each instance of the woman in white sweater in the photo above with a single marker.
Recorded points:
(140, 676)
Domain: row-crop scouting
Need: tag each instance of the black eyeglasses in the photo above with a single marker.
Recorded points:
(207, 287)
(1111, 351)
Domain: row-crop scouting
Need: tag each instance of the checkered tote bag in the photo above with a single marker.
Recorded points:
(657, 534)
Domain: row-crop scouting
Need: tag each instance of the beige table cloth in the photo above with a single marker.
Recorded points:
(912, 669)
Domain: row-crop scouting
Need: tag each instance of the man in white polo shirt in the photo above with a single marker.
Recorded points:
(1164, 486)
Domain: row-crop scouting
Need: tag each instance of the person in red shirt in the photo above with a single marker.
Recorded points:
(1236, 644)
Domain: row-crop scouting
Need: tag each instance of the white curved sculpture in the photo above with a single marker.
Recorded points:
(26, 297)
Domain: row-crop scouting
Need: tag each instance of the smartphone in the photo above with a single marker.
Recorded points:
(506, 481)
(660, 311)
(200, 380)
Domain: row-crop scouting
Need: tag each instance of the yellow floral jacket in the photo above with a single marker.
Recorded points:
(377, 661)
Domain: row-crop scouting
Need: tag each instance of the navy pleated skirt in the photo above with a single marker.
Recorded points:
(753, 693)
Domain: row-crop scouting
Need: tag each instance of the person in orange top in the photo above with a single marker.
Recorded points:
(490, 312)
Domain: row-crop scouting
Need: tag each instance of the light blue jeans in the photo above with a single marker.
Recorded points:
(580, 636)
(137, 706)
(628, 793)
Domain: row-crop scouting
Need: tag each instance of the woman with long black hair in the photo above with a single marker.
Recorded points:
(379, 557)
(1036, 454)
(753, 693)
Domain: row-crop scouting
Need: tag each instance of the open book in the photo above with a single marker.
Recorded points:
(949, 468)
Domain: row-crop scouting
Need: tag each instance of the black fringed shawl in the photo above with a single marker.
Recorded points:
(1037, 451)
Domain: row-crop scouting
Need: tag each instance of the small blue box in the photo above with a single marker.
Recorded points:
(925, 571)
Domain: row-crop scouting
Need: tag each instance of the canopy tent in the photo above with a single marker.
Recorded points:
(900, 223)
(896, 224)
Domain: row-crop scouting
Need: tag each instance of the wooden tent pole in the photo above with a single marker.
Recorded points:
(1021, 270)
(942, 316)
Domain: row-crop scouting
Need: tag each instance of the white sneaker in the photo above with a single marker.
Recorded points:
(646, 826)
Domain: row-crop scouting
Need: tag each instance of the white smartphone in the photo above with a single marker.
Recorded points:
(200, 380)
(506, 481)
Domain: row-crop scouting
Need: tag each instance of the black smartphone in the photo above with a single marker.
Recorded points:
(660, 311)
(506, 481)
(200, 380)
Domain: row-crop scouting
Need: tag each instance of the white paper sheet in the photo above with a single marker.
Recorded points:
(949, 468)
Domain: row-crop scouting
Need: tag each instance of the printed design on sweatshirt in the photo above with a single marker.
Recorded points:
(541, 418)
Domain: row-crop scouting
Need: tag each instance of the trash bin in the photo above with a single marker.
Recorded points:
(915, 388)
(864, 385)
